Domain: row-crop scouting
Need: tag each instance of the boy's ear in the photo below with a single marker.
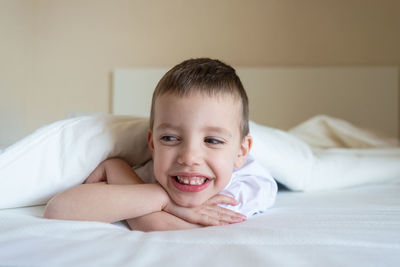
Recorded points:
(150, 141)
(243, 152)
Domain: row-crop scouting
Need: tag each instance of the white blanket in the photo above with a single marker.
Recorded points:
(62, 155)
(325, 153)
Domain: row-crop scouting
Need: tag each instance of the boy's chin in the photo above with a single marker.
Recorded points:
(188, 203)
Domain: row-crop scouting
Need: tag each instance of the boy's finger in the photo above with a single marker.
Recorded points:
(211, 221)
(207, 220)
(233, 216)
(225, 214)
(222, 199)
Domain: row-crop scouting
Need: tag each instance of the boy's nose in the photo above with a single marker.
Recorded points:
(189, 155)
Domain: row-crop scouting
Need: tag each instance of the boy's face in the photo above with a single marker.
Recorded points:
(196, 143)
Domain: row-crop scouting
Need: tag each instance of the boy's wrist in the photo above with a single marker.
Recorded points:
(165, 199)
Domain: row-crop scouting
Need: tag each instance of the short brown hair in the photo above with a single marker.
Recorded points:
(205, 75)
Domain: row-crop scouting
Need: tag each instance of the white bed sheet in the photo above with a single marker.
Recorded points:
(348, 227)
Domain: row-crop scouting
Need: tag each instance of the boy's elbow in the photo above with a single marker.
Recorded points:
(49, 213)
(53, 210)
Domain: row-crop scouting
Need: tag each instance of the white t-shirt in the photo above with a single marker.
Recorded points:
(252, 186)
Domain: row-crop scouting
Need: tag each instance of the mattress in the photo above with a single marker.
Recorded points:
(345, 227)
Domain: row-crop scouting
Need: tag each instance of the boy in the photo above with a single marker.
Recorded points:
(201, 175)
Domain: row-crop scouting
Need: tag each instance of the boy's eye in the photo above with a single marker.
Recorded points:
(213, 141)
(169, 138)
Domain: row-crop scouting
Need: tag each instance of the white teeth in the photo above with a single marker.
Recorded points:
(192, 180)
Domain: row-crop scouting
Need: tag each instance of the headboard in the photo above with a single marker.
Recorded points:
(282, 97)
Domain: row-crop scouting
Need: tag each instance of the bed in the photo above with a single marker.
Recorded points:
(338, 204)
(359, 226)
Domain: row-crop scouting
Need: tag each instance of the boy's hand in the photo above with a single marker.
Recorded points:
(98, 175)
(209, 213)
(113, 171)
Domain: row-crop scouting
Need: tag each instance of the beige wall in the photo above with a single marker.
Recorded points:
(16, 67)
(57, 56)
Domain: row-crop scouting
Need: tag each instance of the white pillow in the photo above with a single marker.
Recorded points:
(61, 155)
(286, 157)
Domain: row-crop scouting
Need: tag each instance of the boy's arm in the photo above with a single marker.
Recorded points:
(107, 203)
(179, 218)
(160, 221)
(114, 171)
(117, 171)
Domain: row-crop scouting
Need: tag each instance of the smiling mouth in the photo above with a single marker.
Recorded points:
(185, 180)
(190, 184)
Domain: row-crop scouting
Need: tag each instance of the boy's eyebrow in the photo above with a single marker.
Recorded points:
(217, 129)
(221, 130)
(164, 126)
